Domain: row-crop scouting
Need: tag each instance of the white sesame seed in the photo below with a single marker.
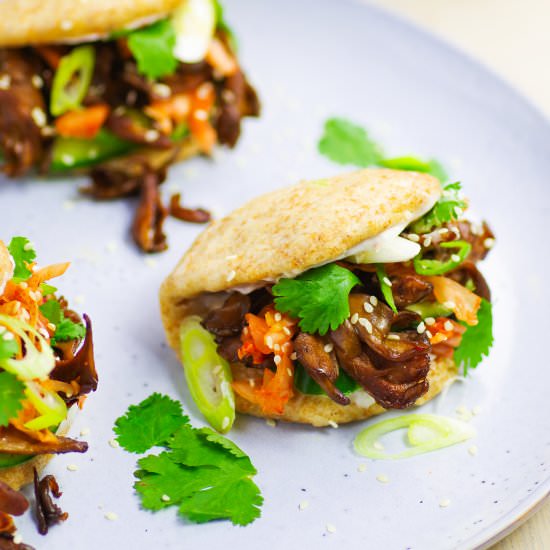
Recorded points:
(378, 446)
(331, 528)
(204, 90)
(225, 422)
(23, 284)
(368, 307)
(393, 337)
(111, 246)
(448, 325)
(303, 505)
(354, 318)
(151, 135)
(200, 114)
(251, 382)
(286, 330)
(421, 328)
(269, 342)
(277, 317)
(72, 467)
(413, 237)
(489, 242)
(231, 257)
(66, 25)
(277, 347)
(271, 423)
(387, 281)
(165, 498)
(293, 356)
(289, 372)
(231, 275)
(114, 443)
(328, 348)
(455, 257)
(111, 516)
(383, 478)
(473, 450)
(444, 503)
(373, 300)
(39, 117)
(68, 204)
(228, 96)
(362, 467)
(67, 159)
(17, 538)
(449, 304)
(332, 424)
(84, 431)
(151, 262)
(427, 241)
(5, 82)
(37, 81)
(429, 334)
(429, 321)
(79, 299)
(277, 359)
(161, 90)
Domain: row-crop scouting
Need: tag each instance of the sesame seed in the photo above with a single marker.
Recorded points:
(47, 131)
(68, 204)
(429, 321)
(277, 317)
(387, 281)
(17, 538)
(354, 318)
(332, 424)
(421, 328)
(289, 372)
(271, 423)
(37, 81)
(23, 284)
(231, 257)
(66, 25)
(449, 304)
(393, 337)
(84, 431)
(368, 307)
(473, 450)
(251, 382)
(489, 242)
(228, 96)
(114, 443)
(204, 90)
(165, 498)
(277, 347)
(455, 257)
(200, 114)
(111, 516)
(444, 503)
(277, 359)
(427, 241)
(378, 446)
(286, 330)
(330, 528)
(328, 348)
(413, 237)
(161, 90)
(383, 478)
(5, 82)
(151, 135)
(39, 117)
(269, 342)
(448, 325)
(231, 275)
(293, 356)
(373, 300)
(225, 422)
(79, 299)
(111, 246)
(362, 467)
(429, 334)
(67, 159)
(151, 262)
(72, 467)
(303, 505)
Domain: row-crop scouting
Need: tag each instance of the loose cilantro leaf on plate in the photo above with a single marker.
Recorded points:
(477, 340)
(346, 143)
(153, 48)
(65, 329)
(385, 286)
(446, 209)
(203, 473)
(23, 255)
(149, 424)
(11, 397)
(319, 297)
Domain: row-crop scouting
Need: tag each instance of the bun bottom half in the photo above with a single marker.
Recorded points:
(320, 410)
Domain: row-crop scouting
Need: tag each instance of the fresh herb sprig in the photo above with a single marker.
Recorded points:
(65, 329)
(23, 254)
(201, 472)
(11, 397)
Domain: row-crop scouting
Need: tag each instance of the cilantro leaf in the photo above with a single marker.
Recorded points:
(446, 209)
(385, 286)
(319, 297)
(477, 340)
(47, 289)
(11, 397)
(153, 47)
(65, 329)
(23, 255)
(239, 501)
(149, 424)
(346, 143)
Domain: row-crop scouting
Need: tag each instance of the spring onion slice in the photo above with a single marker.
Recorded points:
(385, 286)
(72, 80)
(208, 375)
(425, 433)
(38, 359)
(436, 267)
(51, 407)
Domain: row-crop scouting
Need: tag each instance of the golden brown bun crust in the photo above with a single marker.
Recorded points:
(22, 474)
(286, 232)
(319, 410)
(27, 22)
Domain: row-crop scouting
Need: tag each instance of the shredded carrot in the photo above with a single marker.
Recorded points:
(26, 414)
(84, 123)
(220, 58)
(463, 302)
(57, 386)
(446, 330)
(46, 273)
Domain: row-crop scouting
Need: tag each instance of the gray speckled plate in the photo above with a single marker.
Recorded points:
(311, 59)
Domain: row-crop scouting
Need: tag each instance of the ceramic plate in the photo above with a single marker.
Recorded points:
(310, 60)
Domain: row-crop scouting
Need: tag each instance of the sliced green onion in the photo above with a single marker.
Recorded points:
(436, 267)
(38, 359)
(48, 403)
(385, 286)
(208, 375)
(72, 80)
(432, 167)
(426, 432)
(430, 309)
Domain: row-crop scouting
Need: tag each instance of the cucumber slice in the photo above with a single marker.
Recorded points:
(208, 375)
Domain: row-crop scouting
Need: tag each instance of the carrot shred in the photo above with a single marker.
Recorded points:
(47, 273)
(84, 123)
(463, 302)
